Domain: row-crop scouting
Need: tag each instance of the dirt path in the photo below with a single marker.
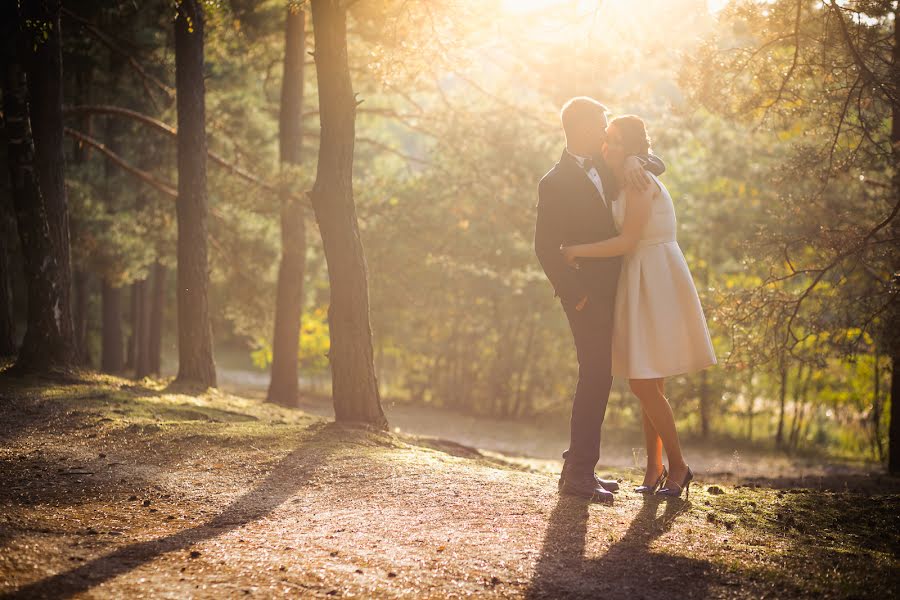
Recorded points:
(540, 446)
(112, 490)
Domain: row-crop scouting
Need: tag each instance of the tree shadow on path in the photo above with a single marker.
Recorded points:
(284, 481)
(628, 569)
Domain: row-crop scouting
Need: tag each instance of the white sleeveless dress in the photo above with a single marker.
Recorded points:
(659, 328)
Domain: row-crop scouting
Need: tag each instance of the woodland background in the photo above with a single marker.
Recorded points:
(779, 122)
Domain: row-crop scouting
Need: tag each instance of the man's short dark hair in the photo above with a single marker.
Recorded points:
(580, 111)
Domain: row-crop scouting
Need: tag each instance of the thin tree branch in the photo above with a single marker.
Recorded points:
(790, 73)
(132, 62)
(172, 132)
(166, 188)
(857, 58)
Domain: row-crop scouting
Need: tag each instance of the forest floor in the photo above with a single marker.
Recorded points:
(538, 442)
(111, 488)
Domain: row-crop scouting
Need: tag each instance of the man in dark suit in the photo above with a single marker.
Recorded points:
(575, 207)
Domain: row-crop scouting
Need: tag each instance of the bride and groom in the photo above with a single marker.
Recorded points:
(605, 237)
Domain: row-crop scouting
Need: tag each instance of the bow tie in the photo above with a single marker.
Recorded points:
(588, 164)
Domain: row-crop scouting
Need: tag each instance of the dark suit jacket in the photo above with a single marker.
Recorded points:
(570, 211)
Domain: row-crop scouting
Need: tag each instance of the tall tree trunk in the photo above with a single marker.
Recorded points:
(526, 369)
(893, 316)
(81, 308)
(133, 309)
(751, 406)
(800, 405)
(704, 405)
(195, 357)
(877, 408)
(783, 380)
(112, 359)
(140, 316)
(283, 386)
(8, 345)
(81, 312)
(157, 316)
(894, 428)
(705, 399)
(140, 320)
(33, 114)
(353, 382)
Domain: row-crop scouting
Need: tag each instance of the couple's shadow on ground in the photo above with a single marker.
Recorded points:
(628, 570)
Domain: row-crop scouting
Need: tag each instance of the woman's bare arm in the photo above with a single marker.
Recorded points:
(637, 213)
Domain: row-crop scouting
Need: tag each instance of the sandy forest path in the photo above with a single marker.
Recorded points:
(111, 489)
(540, 444)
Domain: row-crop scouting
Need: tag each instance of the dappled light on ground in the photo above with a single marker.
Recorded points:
(128, 490)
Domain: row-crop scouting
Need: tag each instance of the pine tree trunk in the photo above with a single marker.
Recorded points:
(113, 344)
(353, 382)
(283, 386)
(751, 405)
(800, 404)
(7, 314)
(894, 428)
(783, 380)
(141, 323)
(195, 358)
(876, 408)
(893, 314)
(82, 295)
(8, 345)
(704, 405)
(157, 316)
(133, 309)
(33, 113)
(81, 320)
(112, 359)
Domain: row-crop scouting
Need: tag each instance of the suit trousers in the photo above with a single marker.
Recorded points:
(592, 330)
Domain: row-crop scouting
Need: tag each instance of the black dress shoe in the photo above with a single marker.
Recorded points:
(610, 485)
(585, 487)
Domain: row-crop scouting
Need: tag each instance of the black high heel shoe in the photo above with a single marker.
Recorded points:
(673, 490)
(651, 489)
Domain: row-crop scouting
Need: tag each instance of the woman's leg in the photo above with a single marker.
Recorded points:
(656, 408)
(653, 444)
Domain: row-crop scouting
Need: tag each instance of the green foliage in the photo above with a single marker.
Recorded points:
(458, 123)
(314, 344)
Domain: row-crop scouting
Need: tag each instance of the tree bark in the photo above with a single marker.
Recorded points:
(751, 405)
(81, 280)
(157, 316)
(112, 358)
(283, 385)
(876, 408)
(801, 394)
(704, 405)
(37, 164)
(893, 314)
(133, 309)
(783, 380)
(113, 349)
(8, 346)
(195, 358)
(81, 316)
(353, 381)
(894, 428)
(140, 323)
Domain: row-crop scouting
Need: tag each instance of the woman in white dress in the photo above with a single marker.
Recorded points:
(659, 329)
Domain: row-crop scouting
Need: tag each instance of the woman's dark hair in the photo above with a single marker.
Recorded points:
(634, 134)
